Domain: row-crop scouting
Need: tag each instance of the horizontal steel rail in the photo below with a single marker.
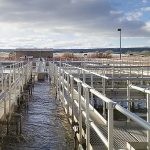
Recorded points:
(109, 78)
(145, 90)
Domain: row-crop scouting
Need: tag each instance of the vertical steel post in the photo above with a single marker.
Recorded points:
(80, 112)
(10, 91)
(28, 71)
(14, 76)
(130, 71)
(60, 83)
(113, 76)
(31, 65)
(25, 73)
(110, 126)
(104, 93)
(120, 68)
(57, 81)
(142, 75)
(120, 41)
(84, 76)
(92, 102)
(87, 119)
(78, 70)
(54, 73)
(49, 70)
(63, 87)
(72, 97)
(19, 81)
(5, 82)
(4, 88)
(84, 79)
(128, 98)
(68, 93)
(22, 76)
(148, 120)
(4, 106)
(2, 79)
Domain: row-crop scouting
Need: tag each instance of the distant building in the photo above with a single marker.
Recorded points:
(36, 53)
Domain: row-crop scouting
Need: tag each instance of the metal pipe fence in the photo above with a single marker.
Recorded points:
(79, 96)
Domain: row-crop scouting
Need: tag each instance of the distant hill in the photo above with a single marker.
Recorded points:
(115, 50)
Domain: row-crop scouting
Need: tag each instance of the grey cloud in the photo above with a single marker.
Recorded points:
(84, 15)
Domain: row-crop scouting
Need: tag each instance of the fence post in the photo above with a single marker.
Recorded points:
(13, 73)
(5, 82)
(68, 93)
(80, 112)
(56, 80)
(54, 74)
(104, 93)
(4, 89)
(87, 119)
(110, 125)
(63, 87)
(83, 76)
(78, 70)
(49, 69)
(14, 70)
(113, 72)
(10, 91)
(2, 79)
(22, 72)
(72, 97)
(130, 72)
(142, 75)
(92, 102)
(128, 98)
(19, 80)
(148, 120)
(59, 83)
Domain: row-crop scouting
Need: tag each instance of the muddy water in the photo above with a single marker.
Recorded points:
(45, 126)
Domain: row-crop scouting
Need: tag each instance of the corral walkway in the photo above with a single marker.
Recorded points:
(45, 125)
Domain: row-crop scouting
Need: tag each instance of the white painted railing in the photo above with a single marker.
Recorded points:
(145, 90)
(71, 97)
(12, 84)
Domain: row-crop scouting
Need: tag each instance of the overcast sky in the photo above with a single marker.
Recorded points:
(74, 23)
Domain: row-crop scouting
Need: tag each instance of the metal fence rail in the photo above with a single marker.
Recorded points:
(76, 93)
(13, 78)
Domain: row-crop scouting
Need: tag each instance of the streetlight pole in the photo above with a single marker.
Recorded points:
(120, 41)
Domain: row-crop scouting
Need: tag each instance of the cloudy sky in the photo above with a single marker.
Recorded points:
(74, 23)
